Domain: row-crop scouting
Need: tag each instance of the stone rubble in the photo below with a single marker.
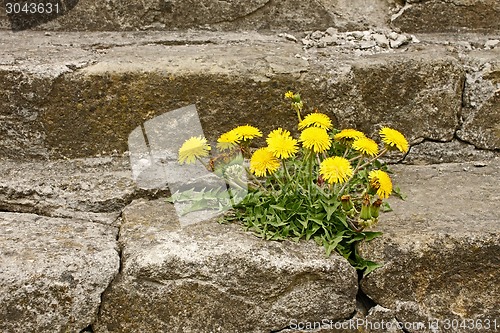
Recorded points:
(373, 40)
(376, 41)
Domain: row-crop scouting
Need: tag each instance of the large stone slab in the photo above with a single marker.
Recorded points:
(92, 15)
(481, 111)
(209, 277)
(114, 84)
(94, 189)
(53, 272)
(440, 248)
(448, 16)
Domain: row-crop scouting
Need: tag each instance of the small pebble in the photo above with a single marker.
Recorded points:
(492, 43)
(290, 37)
(332, 31)
(317, 34)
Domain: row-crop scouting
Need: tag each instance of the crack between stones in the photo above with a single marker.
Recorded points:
(110, 284)
(361, 297)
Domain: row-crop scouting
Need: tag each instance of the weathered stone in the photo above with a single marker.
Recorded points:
(417, 93)
(290, 37)
(329, 40)
(367, 44)
(423, 102)
(22, 93)
(381, 40)
(448, 16)
(446, 152)
(332, 31)
(91, 189)
(481, 111)
(399, 41)
(317, 34)
(210, 277)
(441, 247)
(381, 320)
(492, 43)
(53, 272)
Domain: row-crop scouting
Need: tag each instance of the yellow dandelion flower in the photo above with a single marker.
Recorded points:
(336, 169)
(263, 162)
(281, 144)
(348, 134)
(393, 138)
(277, 133)
(380, 181)
(228, 140)
(317, 120)
(289, 94)
(247, 132)
(366, 146)
(193, 148)
(315, 138)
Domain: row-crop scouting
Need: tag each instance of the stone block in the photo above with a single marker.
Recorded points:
(209, 277)
(53, 272)
(448, 16)
(481, 111)
(440, 248)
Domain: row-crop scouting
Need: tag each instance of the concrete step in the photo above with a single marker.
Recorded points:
(237, 15)
(146, 273)
(72, 95)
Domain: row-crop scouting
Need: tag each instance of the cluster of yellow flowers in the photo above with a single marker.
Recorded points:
(315, 137)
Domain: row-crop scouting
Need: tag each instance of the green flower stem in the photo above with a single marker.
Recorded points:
(360, 166)
(204, 164)
(347, 150)
(370, 161)
(257, 182)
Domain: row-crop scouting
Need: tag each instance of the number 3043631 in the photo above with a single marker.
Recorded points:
(32, 8)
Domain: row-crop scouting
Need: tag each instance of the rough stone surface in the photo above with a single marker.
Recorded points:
(92, 189)
(209, 277)
(92, 15)
(383, 92)
(53, 272)
(441, 247)
(429, 152)
(116, 82)
(411, 16)
(22, 93)
(481, 111)
(448, 16)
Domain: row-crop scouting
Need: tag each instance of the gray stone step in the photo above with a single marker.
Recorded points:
(53, 272)
(237, 15)
(69, 95)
